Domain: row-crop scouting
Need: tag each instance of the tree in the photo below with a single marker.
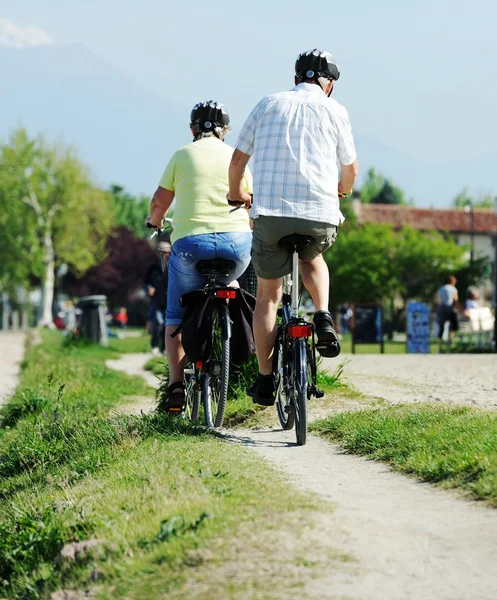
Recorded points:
(362, 267)
(425, 259)
(56, 214)
(484, 201)
(131, 212)
(389, 194)
(374, 263)
(120, 273)
(377, 189)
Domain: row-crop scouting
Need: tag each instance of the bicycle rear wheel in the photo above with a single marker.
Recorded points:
(192, 393)
(215, 381)
(284, 405)
(300, 374)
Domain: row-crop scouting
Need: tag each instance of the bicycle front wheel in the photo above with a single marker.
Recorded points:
(216, 380)
(300, 374)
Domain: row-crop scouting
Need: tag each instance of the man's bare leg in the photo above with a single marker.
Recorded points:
(316, 278)
(268, 298)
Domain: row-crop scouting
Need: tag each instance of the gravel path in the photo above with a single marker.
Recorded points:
(469, 379)
(406, 540)
(411, 541)
(11, 354)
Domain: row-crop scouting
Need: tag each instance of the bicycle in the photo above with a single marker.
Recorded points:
(207, 382)
(294, 357)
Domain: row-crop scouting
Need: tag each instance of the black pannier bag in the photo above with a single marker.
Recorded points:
(196, 326)
(242, 338)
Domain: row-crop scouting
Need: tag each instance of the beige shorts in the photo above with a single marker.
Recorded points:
(271, 260)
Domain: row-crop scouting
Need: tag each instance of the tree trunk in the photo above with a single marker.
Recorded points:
(49, 281)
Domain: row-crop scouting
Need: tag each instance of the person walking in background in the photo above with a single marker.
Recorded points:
(156, 280)
(447, 298)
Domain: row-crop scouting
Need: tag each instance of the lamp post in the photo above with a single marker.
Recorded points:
(470, 209)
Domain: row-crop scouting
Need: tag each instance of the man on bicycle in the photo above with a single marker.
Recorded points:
(203, 228)
(297, 137)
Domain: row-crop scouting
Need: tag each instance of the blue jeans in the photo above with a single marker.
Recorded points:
(183, 276)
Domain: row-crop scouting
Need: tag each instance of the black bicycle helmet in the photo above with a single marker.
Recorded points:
(209, 116)
(316, 63)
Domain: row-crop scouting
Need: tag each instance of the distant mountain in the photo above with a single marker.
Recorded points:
(123, 132)
(126, 134)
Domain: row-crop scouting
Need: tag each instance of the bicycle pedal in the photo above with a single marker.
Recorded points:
(318, 393)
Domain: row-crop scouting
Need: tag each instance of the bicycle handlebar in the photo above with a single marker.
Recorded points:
(158, 230)
(238, 203)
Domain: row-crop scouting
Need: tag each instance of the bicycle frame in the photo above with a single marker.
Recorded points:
(199, 377)
(293, 335)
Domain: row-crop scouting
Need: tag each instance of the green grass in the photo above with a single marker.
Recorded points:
(131, 344)
(157, 365)
(158, 492)
(454, 447)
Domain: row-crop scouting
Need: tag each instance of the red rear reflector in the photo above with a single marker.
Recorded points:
(299, 331)
(225, 294)
(198, 364)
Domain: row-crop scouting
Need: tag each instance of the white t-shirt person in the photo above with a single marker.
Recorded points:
(447, 295)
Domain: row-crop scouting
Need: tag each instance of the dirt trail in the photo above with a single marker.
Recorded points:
(407, 540)
(132, 364)
(469, 379)
(11, 354)
(411, 540)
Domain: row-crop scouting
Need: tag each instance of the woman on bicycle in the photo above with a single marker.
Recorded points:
(203, 227)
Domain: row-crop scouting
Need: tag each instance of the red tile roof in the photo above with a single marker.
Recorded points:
(453, 220)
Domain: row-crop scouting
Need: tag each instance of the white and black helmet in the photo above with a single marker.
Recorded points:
(209, 116)
(313, 64)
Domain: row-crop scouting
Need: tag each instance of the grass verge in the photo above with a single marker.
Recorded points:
(454, 447)
(165, 503)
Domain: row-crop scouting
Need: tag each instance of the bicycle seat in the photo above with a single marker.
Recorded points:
(216, 266)
(296, 240)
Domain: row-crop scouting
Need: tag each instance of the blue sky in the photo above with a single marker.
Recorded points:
(420, 77)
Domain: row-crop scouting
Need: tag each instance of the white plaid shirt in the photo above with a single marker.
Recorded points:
(296, 138)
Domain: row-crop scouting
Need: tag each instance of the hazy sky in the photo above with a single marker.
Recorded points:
(418, 76)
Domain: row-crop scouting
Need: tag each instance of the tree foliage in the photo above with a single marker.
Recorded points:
(120, 273)
(464, 198)
(130, 211)
(375, 263)
(377, 189)
(51, 213)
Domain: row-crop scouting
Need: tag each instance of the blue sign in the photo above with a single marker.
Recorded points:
(418, 327)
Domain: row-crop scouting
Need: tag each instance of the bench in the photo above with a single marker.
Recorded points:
(478, 326)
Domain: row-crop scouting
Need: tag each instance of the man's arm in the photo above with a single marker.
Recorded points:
(159, 206)
(236, 172)
(348, 177)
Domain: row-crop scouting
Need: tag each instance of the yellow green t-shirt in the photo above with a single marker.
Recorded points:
(198, 176)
